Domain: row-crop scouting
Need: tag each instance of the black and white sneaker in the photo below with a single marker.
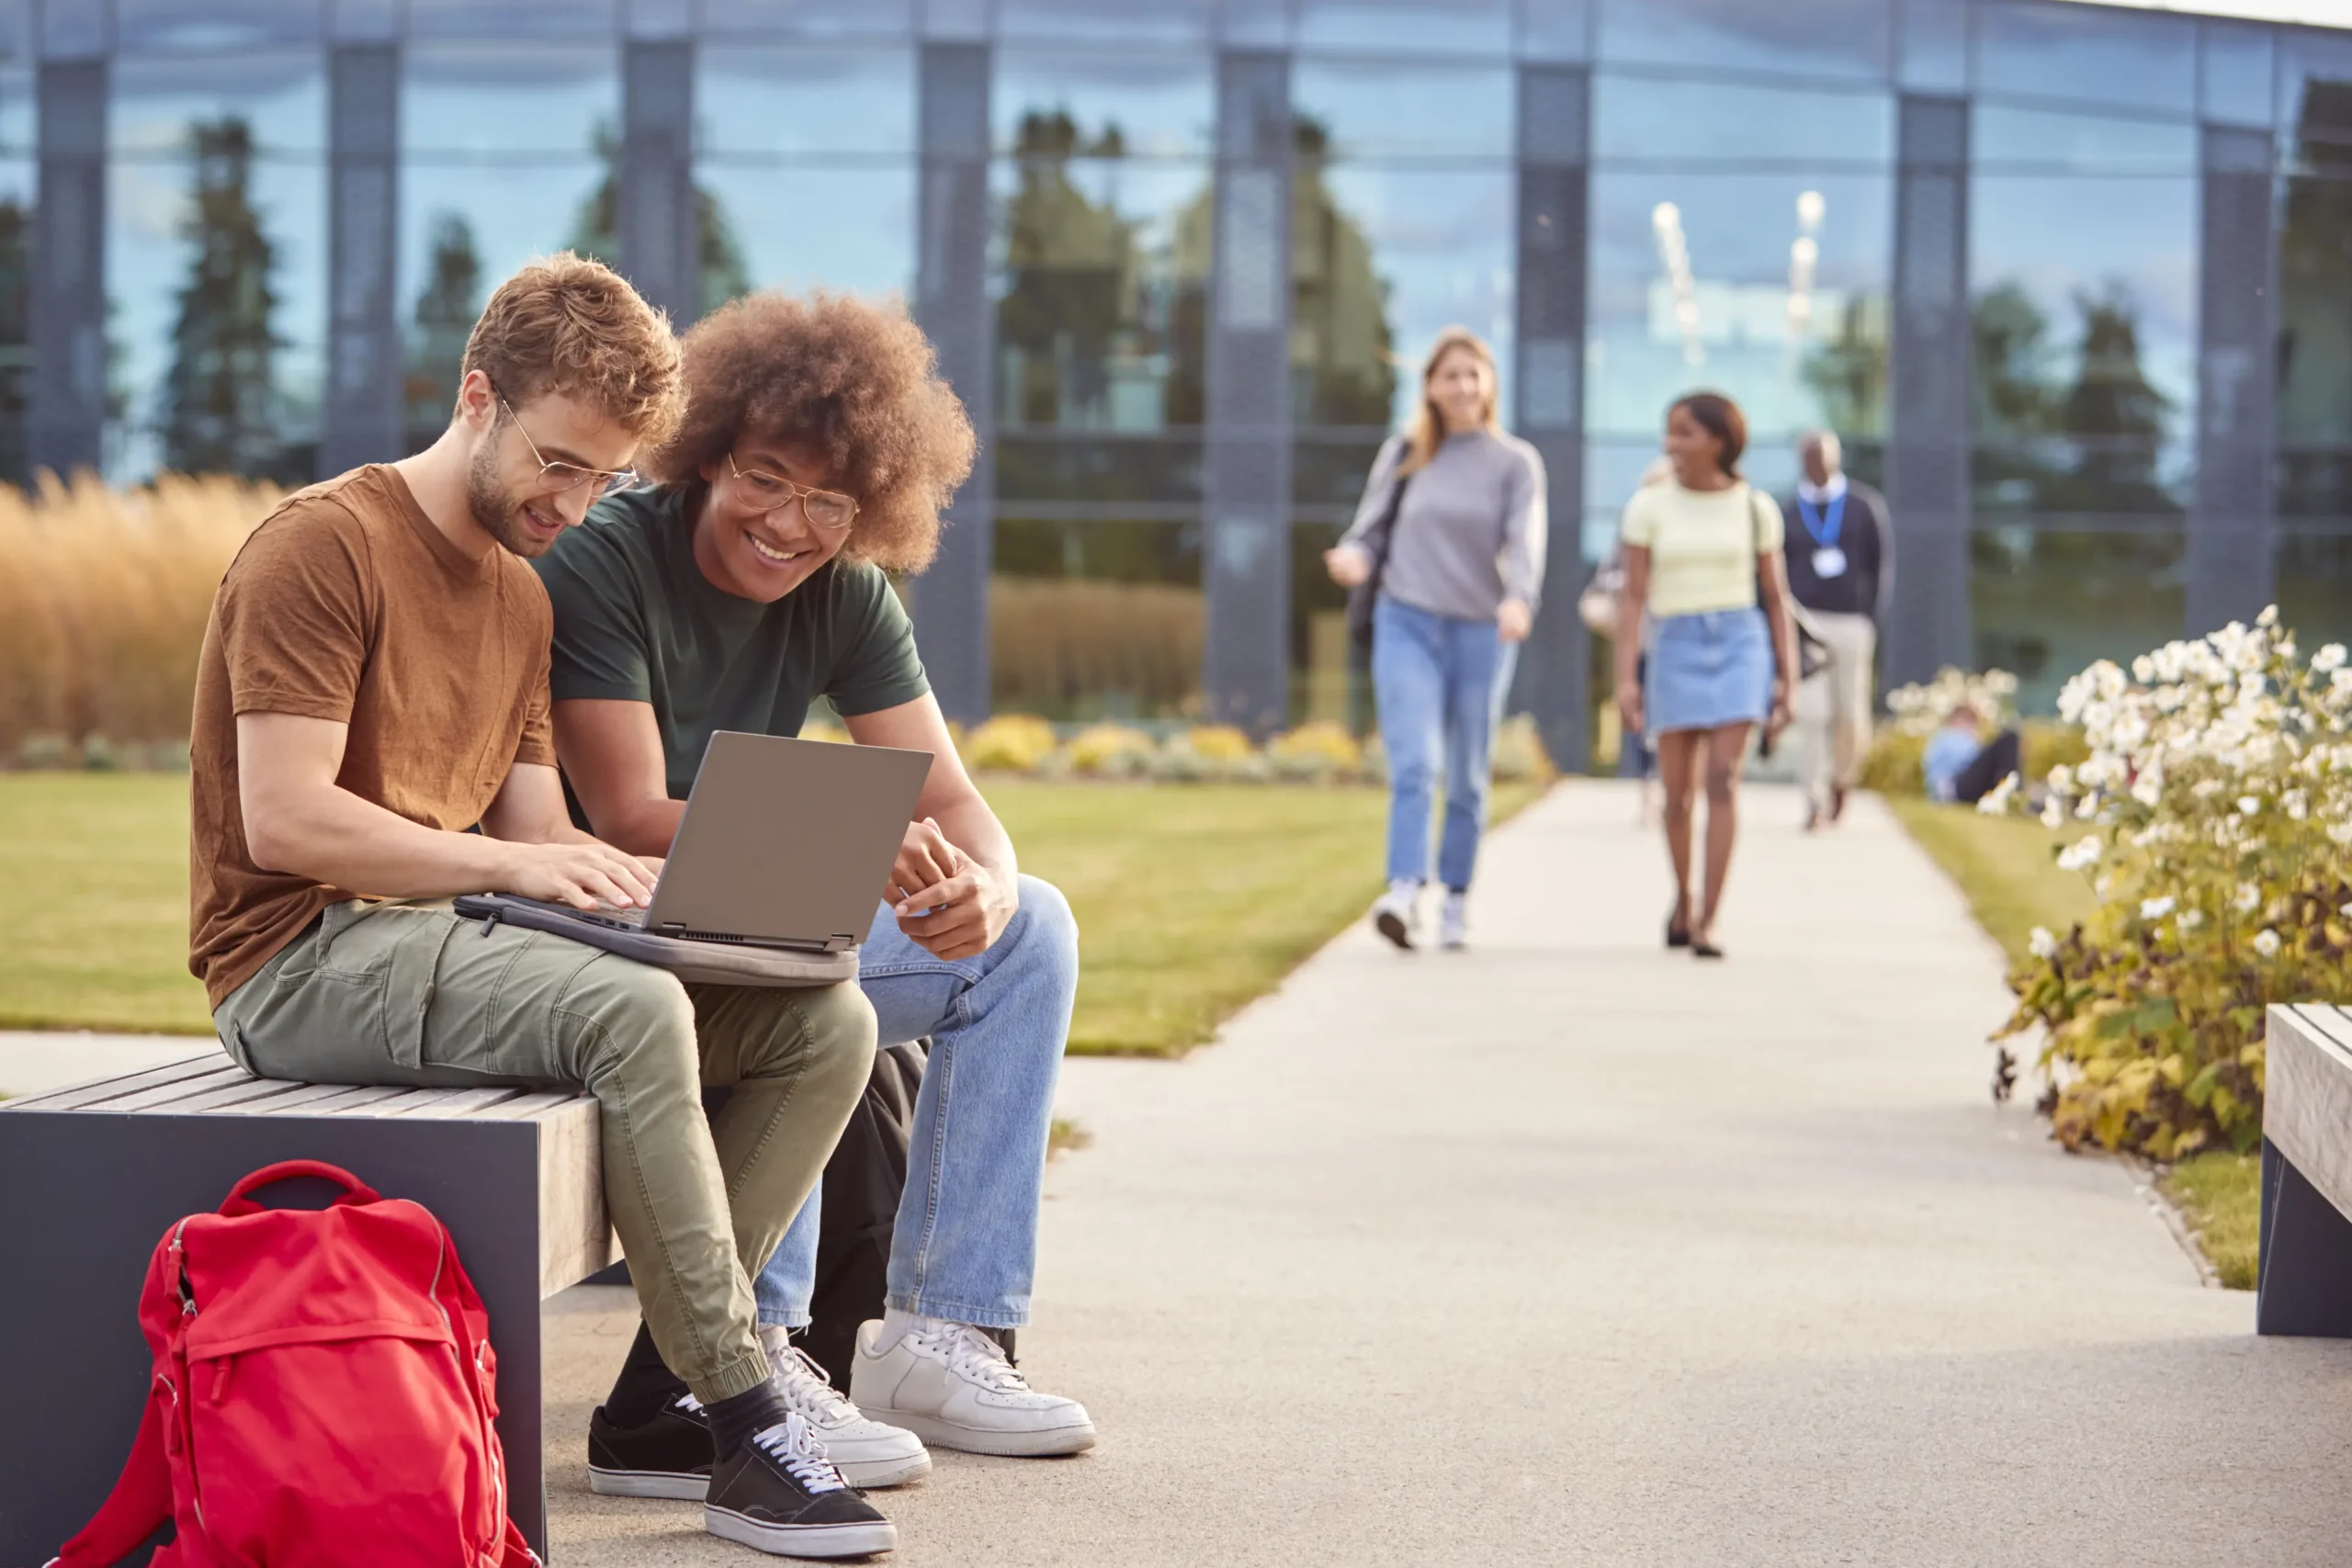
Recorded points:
(667, 1457)
(779, 1494)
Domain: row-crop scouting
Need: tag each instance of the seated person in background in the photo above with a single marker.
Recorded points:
(372, 684)
(817, 448)
(1961, 765)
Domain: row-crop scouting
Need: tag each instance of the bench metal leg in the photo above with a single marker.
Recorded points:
(2305, 1277)
(88, 1195)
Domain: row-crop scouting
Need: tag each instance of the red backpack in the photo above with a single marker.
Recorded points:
(323, 1394)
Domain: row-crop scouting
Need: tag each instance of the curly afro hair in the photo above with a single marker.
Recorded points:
(853, 384)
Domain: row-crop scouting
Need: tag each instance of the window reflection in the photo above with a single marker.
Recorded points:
(1650, 119)
(506, 155)
(552, 19)
(1096, 619)
(1120, 104)
(2005, 139)
(1369, 109)
(2093, 54)
(2235, 65)
(1162, 22)
(1818, 38)
(1415, 28)
(2313, 572)
(1102, 287)
(777, 101)
(2083, 325)
(1383, 259)
(2314, 408)
(17, 191)
(160, 26)
(1778, 299)
(216, 265)
(2045, 604)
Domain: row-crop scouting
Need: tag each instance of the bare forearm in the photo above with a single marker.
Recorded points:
(971, 826)
(332, 836)
(644, 826)
(1626, 647)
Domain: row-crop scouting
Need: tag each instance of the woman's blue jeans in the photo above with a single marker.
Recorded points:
(1440, 683)
(966, 1245)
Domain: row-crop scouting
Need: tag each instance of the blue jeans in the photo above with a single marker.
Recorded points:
(966, 1245)
(1440, 683)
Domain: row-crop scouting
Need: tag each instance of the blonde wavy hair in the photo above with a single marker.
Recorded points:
(1428, 426)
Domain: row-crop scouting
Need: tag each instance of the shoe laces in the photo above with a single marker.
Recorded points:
(806, 1389)
(793, 1445)
(972, 1354)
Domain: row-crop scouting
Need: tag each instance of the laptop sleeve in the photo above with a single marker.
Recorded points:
(705, 962)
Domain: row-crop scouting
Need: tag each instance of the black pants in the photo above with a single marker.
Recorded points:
(1989, 767)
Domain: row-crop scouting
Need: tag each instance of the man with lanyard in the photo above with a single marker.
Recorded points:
(1841, 570)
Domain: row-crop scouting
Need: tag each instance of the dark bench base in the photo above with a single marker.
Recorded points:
(2305, 1279)
(88, 1195)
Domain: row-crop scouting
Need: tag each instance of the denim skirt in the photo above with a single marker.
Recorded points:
(1709, 669)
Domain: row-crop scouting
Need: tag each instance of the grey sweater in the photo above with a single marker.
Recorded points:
(1472, 531)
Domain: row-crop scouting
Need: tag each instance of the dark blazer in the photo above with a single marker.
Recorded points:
(1869, 543)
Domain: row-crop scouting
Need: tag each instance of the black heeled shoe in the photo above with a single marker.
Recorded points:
(1675, 935)
(1705, 950)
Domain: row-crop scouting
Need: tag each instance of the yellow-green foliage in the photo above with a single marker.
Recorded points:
(1012, 742)
(1891, 765)
(103, 600)
(1518, 755)
(1109, 750)
(1321, 741)
(1219, 744)
(2217, 786)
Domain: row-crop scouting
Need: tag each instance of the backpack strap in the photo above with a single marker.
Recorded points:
(139, 1504)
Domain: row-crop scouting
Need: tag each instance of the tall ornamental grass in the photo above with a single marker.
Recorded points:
(103, 600)
(2217, 793)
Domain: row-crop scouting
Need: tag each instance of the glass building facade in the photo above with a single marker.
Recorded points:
(2074, 281)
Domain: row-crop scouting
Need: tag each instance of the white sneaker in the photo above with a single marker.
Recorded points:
(950, 1384)
(1396, 914)
(1453, 923)
(867, 1452)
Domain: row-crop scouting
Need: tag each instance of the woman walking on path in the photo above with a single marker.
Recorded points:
(1461, 502)
(1695, 551)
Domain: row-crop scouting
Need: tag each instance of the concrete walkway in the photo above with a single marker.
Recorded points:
(1567, 1250)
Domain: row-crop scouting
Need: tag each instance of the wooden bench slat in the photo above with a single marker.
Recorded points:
(455, 1102)
(530, 1107)
(226, 1074)
(304, 1100)
(93, 1091)
(2308, 1101)
(385, 1103)
(242, 1096)
(347, 1094)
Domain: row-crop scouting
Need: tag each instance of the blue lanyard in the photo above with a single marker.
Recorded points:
(1824, 535)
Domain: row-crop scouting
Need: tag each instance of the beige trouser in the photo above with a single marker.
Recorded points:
(1834, 708)
(411, 994)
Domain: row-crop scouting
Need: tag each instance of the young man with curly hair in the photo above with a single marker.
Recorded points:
(373, 684)
(818, 449)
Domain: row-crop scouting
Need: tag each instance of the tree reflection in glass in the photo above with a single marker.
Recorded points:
(220, 409)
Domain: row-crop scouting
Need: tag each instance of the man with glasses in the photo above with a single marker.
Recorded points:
(373, 685)
(817, 450)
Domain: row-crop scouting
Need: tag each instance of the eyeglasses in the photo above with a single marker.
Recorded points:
(560, 477)
(826, 509)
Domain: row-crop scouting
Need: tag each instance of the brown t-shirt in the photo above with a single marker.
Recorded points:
(348, 603)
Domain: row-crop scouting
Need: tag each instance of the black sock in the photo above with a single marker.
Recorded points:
(645, 1388)
(733, 1420)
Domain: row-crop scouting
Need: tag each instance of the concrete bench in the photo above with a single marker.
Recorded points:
(92, 1176)
(2306, 1258)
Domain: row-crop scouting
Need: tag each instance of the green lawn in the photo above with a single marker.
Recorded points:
(2005, 867)
(2004, 864)
(1191, 900)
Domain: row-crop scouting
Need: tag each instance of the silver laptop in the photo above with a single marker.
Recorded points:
(784, 843)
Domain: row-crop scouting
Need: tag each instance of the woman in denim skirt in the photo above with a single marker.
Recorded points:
(1464, 565)
(1696, 551)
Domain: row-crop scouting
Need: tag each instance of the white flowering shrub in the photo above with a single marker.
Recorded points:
(2217, 791)
(1921, 709)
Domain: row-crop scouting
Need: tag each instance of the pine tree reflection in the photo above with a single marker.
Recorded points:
(220, 413)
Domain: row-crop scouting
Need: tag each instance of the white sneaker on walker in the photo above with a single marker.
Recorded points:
(867, 1452)
(1453, 923)
(1396, 914)
(950, 1384)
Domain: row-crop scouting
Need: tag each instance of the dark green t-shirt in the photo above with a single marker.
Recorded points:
(637, 621)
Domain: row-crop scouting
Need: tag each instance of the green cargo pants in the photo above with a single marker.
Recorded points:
(410, 994)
